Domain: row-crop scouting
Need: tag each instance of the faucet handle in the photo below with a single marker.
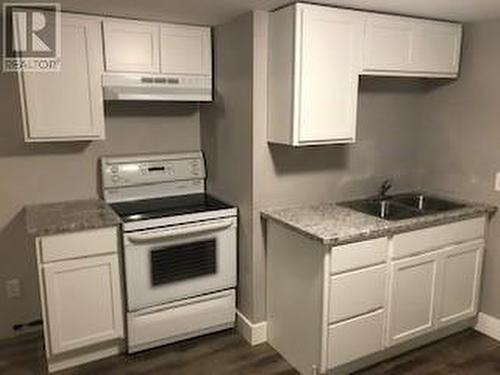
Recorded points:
(385, 187)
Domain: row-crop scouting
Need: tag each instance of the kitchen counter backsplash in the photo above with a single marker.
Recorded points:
(70, 216)
(335, 225)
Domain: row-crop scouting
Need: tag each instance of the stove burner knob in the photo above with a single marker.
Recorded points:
(114, 169)
(115, 179)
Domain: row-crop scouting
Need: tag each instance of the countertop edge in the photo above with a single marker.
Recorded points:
(59, 230)
(470, 213)
(88, 214)
(410, 228)
(286, 224)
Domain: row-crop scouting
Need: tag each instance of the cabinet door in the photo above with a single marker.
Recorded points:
(67, 105)
(412, 297)
(131, 46)
(328, 74)
(388, 44)
(83, 302)
(185, 50)
(460, 281)
(436, 47)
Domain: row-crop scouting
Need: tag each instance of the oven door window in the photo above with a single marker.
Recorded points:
(183, 262)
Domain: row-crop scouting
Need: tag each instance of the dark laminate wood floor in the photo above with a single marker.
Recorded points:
(466, 353)
(226, 353)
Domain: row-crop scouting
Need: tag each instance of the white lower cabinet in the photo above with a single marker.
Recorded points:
(81, 296)
(433, 290)
(412, 297)
(342, 308)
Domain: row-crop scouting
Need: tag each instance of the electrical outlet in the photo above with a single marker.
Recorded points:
(13, 288)
(497, 182)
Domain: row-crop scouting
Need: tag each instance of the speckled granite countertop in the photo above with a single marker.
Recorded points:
(71, 216)
(335, 225)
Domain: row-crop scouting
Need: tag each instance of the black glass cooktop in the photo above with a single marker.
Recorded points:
(164, 207)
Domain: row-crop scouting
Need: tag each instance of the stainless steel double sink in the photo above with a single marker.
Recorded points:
(402, 206)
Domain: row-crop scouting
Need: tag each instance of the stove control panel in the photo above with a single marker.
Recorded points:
(151, 169)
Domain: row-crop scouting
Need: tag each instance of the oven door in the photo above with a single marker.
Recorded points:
(172, 263)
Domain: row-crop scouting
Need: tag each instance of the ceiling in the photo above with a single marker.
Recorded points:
(215, 12)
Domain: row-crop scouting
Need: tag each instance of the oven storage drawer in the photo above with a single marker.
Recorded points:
(180, 320)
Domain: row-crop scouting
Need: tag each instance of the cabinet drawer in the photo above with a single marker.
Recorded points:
(78, 244)
(358, 255)
(356, 293)
(355, 338)
(429, 239)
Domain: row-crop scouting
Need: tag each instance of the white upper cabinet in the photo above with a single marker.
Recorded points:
(402, 46)
(313, 87)
(146, 47)
(317, 53)
(387, 44)
(185, 50)
(436, 47)
(67, 105)
(131, 46)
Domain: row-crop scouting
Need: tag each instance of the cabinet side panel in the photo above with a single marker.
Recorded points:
(281, 70)
(295, 277)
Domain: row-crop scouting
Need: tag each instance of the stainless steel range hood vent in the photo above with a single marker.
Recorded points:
(156, 87)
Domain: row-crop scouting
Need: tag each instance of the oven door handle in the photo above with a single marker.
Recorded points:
(169, 233)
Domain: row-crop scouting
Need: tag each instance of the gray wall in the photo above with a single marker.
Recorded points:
(460, 139)
(388, 121)
(54, 172)
(235, 130)
(226, 128)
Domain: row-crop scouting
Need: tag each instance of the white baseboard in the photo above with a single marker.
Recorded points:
(253, 333)
(86, 355)
(488, 325)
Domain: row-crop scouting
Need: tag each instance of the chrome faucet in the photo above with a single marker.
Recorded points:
(384, 188)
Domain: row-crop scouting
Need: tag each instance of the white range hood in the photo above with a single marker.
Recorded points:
(156, 87)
